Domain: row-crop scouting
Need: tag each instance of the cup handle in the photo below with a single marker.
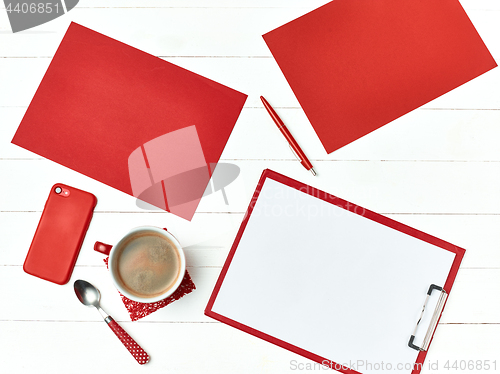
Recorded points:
(102, 248)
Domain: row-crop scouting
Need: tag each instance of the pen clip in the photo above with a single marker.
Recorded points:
(295, 154)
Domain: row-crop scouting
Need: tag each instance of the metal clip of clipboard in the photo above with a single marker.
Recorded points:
(434, 319)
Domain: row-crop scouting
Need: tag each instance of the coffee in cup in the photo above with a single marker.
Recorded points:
(147, 264)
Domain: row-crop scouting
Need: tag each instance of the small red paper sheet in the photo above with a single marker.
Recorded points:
(130, 120)
(356, 65)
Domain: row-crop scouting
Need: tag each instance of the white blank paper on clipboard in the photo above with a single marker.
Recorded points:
(330, 281)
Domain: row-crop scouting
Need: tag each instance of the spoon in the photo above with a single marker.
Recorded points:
(90, 296)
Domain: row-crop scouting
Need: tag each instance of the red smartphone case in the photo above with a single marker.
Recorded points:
(60, 233)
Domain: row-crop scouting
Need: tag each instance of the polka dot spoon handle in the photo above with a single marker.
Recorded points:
(89, 295)
(135, 349)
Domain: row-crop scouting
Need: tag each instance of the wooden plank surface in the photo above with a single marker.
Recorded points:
(436, 169)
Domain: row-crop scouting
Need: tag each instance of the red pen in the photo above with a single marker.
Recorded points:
(289, 138)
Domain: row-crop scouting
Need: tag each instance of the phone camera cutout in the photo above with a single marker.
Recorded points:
(61, 191)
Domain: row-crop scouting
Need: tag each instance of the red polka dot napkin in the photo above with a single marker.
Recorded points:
(138, 310)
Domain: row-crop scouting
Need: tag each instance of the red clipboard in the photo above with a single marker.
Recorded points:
(262, 250)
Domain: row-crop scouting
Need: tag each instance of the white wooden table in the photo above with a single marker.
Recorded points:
(436, 169)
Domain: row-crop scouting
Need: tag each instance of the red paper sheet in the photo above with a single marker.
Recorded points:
(130, 120)
(356, 65)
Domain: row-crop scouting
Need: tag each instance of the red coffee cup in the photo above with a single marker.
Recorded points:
(146, 265)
